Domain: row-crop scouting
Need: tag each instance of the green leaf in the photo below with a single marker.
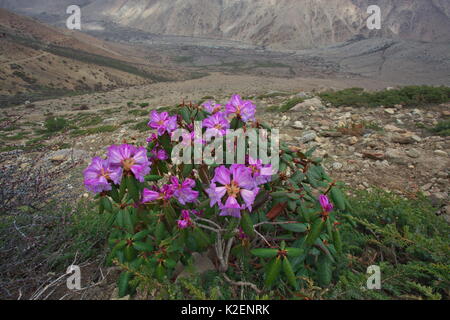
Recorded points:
(141, 235)
(294, 252)
(324, 271)
(265, 252)
(187, 169)
(123, 283)
(114, 194)
(295, 227)
(101, 206)
(142, 246)
(247, 225)
(153, 177)
(338, 198)
(170, 264)
(185, 114)
(287, 268)
(133, 189)
(273, 272)
(120, 218)
(337, 241)
(201, 238)
(128, 221)
(160, 272)
(314, 233)
(279, 194)
(107, 204)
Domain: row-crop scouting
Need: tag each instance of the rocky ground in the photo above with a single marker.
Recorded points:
(388, 148)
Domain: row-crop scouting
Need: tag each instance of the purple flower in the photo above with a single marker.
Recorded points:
(185, 220)
(217, 121)
(159, 154)
(162, 122)
(164, 193)
(183, 224)
(130, 159)
(183, 191)
(327, 206)
(261, 173)
(211, 107)
(153, 137)
(237, 182)
(99, 174)
(241, 234)
(243, 109)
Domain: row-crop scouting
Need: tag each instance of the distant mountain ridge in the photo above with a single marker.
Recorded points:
(290, 24)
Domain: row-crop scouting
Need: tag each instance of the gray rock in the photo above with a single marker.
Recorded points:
(314, 102)
(333, 134)
(202, 263)
(298, 125)
(413, 153)
(337, 166)
(307, 137)
(440, 153)
(402, 139)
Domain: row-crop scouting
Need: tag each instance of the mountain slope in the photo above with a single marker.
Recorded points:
(276, 23)
(36, 59)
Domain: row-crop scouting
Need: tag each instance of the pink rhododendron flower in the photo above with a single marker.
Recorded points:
(217, 121)
(185, 220)
(236, 183)
(261, 173)
(211, 107)
(162, 122)
(130, 159)
(243, 109)
(159, 154)
(327, 206)
(183, 191)
(99, 175)
(164, 193)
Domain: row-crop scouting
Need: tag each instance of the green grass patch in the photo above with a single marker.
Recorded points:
(141, 126)
(442, 128)
(56, 124)
(95, 130)
(288, 105)
(407, 96)
(405, 238)
(139, 113)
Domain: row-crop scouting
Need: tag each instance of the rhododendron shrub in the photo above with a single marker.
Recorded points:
(282, 220)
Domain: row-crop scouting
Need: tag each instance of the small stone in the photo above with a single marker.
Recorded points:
(389, 111)
(333, 134)
(413, 153)
(440, 153)
(402, 139)
(308, 137)
(58, 158)
(298, 125)
(352, 140)
(392, 128)
(337, 166)
(416, 138)
(426, 187)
